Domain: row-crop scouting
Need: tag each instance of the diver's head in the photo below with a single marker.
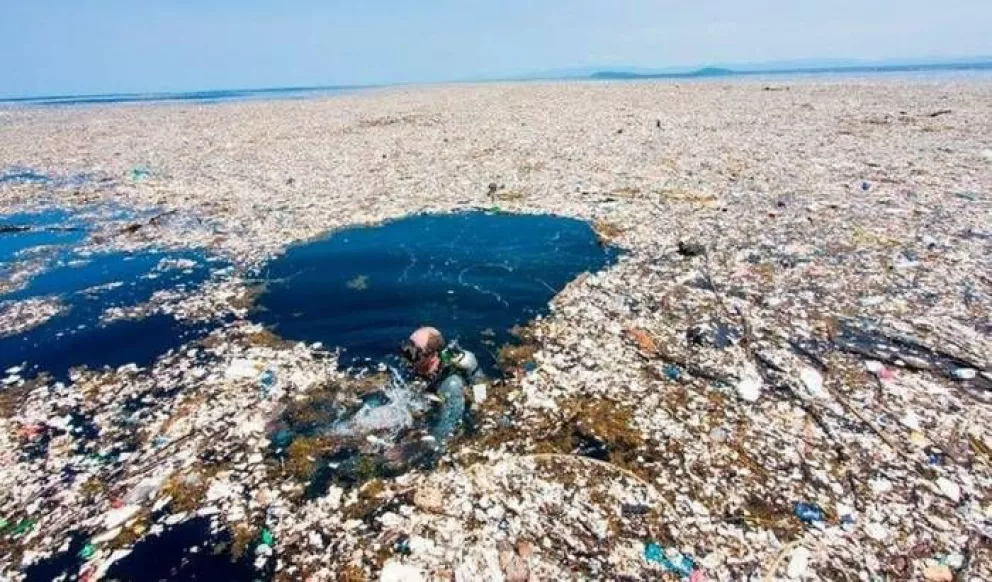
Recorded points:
(423, 350)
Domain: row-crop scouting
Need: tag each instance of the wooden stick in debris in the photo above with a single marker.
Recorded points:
(809, 354)
(692, 369)
(136, 226)
(871, 426)
(715, 289)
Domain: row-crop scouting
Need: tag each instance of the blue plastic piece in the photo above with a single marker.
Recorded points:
(808, 512)
(282, 438)
(654, 553)
(672, 372)
(681, 564)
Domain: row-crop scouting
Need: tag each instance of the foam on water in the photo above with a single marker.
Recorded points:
(386, 416)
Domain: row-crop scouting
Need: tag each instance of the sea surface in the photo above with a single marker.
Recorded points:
(930, 71)
(86, 285)
(216, 96)
(473, 275)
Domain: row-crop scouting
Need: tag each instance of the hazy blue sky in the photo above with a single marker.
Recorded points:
(101, 46)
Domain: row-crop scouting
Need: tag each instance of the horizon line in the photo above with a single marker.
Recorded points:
(595, 72)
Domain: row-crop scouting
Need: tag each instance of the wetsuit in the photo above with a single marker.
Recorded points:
(460, 370)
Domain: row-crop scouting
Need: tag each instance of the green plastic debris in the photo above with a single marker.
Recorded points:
(139, 173)
(267, 538)
(3, 523)
(495, 209)
(87, 552)
(23, 527)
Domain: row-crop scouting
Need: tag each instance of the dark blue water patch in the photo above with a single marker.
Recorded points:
(46, 231)
(213, 96)
(473, 275)
(22, 231)
(41, 218)
(88, 284)
(188, 551)
(18, 175)
(63, 565)
(78, 337)
(90, 276)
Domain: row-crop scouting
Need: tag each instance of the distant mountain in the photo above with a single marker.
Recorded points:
(853, 67)
(698, 73)
(711, 72)
(721, 69)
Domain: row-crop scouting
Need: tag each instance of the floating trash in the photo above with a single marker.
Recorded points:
(343, 437)
(139, 173)
(671, 560)
(364, 289)
(22, 527)
(267, 538)
(672, 372)
(890, 347)
(87, 552)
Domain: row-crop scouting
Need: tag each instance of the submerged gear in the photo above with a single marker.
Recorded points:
(460, 369)
(462, 361)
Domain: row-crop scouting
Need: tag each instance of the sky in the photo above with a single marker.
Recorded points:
(72, 47)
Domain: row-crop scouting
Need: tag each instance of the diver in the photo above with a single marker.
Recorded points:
(449, 371)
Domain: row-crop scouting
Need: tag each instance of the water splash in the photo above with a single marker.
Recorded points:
(386, 416)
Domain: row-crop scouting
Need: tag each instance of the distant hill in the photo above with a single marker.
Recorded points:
(710, 72)
(704, 72)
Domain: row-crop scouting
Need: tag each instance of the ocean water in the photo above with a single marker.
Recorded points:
(473, 275)
(923, 71)
(23, 231)
(87, 285)
(22, 176)
(188, 551)
(216, 96)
